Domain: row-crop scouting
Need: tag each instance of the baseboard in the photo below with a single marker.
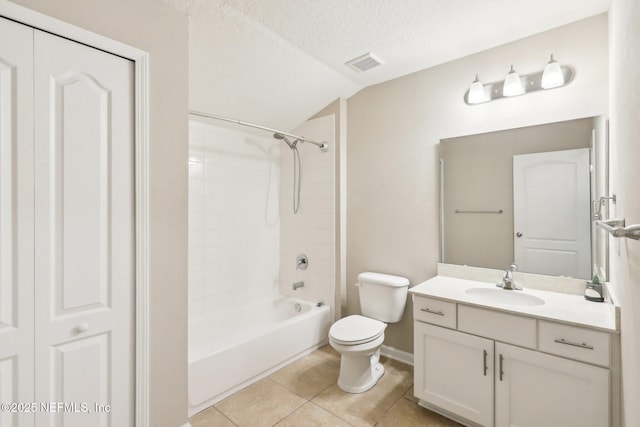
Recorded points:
(395, 354)
(187, 424)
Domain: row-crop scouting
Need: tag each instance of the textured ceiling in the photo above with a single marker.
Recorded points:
(280, 61)
(409, 35)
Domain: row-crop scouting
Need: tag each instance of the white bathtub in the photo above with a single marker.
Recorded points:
(229, 352)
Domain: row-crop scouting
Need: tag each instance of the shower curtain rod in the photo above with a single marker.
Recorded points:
(322, 145)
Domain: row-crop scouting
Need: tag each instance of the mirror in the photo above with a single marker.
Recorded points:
(526, 195)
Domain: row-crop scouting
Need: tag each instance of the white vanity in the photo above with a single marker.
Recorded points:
(492, 357)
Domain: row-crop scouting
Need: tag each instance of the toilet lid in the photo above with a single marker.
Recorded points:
(356, 329)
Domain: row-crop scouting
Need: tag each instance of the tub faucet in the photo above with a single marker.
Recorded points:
(297, 285)
(507, 279)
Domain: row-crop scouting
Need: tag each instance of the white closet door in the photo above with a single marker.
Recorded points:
(84, 232)
(16, 219)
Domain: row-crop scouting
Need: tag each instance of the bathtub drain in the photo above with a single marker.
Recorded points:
(298, 307)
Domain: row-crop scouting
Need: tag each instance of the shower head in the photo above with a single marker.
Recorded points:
(291, 145)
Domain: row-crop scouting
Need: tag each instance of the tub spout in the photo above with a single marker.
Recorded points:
(297, 285)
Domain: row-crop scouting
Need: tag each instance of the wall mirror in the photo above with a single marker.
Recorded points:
(527, 195)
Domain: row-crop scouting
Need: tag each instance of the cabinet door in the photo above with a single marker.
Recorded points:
(454, 371)
(535, 389)
(84, 232)
(16, 219)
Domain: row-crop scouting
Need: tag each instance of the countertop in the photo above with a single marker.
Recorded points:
(558, 307)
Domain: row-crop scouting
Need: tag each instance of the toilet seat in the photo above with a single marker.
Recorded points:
(356, 329)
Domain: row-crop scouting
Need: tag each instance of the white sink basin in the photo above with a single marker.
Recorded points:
(502, 296)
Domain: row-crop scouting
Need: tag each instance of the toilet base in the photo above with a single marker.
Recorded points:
(359, 373)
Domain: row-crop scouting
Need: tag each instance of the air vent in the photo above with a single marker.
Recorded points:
(364, 62)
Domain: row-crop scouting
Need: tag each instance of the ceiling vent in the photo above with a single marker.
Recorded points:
(364, 62)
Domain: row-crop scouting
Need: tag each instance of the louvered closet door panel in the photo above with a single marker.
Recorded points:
(16, 219)
(84, 232)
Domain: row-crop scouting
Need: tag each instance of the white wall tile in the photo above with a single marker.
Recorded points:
(234, 229)
(312, 230)
(243, 235)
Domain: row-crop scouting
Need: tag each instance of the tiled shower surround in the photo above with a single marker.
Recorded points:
(312, 230)
(234, 221)
(243, 235)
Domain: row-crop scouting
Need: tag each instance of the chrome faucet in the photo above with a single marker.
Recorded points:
(507, 279)
(297, 285)
(302, 262)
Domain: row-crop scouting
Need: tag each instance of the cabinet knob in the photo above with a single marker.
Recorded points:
(518, 234)
(82, 327)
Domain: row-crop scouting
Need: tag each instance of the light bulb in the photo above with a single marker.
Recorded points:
(552, 75)
(476, 92)
(512, 84)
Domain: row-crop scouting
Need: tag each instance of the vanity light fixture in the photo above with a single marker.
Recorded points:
(553, 76)
(476, 92)
(512, 84)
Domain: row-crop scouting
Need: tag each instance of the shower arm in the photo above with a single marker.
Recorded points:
(323, 146)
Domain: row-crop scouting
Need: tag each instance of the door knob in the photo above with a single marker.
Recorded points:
(518, 234)
(82, 327)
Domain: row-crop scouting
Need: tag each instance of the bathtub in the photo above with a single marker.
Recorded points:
(231, 351)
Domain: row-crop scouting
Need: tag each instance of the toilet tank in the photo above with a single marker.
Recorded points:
(382, 296)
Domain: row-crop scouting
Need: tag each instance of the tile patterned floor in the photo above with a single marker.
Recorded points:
(305, 393)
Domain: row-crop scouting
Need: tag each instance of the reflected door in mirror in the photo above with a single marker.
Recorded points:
(551, 193)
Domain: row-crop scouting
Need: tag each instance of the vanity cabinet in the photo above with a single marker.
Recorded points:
(537, 389)
(454, 373)
(473, 372)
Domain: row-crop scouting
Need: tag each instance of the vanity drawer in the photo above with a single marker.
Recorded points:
(434, 311)
(517, 330)
(575, 343)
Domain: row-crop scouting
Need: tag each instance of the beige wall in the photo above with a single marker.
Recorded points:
(478, 175)
(394, 127)
(162, 32)
(625, 176)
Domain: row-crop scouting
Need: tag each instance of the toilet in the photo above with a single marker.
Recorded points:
(358, 338)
